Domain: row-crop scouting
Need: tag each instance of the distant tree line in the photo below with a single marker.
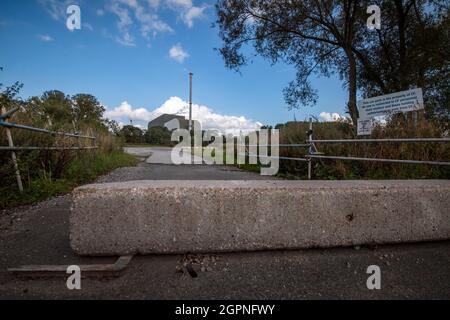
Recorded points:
(57, 111)
(45, 172)
(156, 135)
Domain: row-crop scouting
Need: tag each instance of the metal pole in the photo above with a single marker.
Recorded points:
(306, 145)
(8, 114)
(310, 150)
(13, 156)
(415, 117)
(270, 157)
(18, 126)
(45, 148)
(437, 163)
(190, 101)
(406, 140)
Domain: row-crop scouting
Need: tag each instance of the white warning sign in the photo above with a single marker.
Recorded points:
(404, 101)
(365, 126)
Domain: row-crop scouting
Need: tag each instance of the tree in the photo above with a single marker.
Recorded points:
(331, 36)
(54, 106)
(314, 36)
(113, 126)
(132, 134)
(8, 96)
(410, 50)
(87, 109)
(158, 136)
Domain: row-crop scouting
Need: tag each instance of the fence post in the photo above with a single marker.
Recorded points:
(415, 120)
(13, 155)
(310, 135)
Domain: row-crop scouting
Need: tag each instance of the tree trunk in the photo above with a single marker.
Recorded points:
(352, 108)
(402, 44)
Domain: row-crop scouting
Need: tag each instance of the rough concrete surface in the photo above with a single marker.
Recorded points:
(39, 234)
(214, 216)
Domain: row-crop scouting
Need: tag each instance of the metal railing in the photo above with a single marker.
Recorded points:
(382, 140)
(5, 115)
(313, 153)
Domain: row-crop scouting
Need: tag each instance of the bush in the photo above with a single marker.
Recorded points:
(158, 136)
(132, 134)
(49, 172)
(397, 127)
(83, 168)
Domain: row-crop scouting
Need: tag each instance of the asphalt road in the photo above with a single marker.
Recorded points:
(155, 155)
(39, 235)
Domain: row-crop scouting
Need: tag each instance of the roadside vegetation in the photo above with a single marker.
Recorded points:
(46, 173)
(156, 136)
(324, 38)
(397, 127)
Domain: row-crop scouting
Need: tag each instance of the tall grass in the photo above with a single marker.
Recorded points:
(46, 173)
(83, 168)
(397, 127)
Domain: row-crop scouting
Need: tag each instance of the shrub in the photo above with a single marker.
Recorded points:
(48, 172)
(397, 127)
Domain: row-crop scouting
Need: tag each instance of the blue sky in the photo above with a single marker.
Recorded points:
(134, 55)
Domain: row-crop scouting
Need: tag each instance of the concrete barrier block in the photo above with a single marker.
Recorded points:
(145, 217)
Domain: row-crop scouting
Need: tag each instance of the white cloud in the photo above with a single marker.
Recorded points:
(45, 38)
(187, 11)
(56, 8)
(193, 13)
(122, 124)
(126, 40)
(153, 3)
(207, 117)
(176, 4)
(148, 21)
(88, 26)
(123, 24)
(126, 111)
(175, 105)
(331, 117)
(178, 54)
(143, 12)
(134, 15)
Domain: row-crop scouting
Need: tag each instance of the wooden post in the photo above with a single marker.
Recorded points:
(13, 156)
(415, 118)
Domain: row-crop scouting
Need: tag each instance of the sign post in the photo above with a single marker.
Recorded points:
(13, 154)
(399, 102)
(365, 126)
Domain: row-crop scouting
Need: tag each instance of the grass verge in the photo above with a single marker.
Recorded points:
(83, 169)
(144, 145)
